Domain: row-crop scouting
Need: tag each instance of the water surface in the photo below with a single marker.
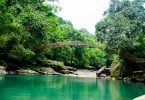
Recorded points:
(37, 87)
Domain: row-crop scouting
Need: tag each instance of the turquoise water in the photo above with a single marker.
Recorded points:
(37, 87)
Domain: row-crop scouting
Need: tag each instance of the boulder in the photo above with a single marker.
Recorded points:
(48, 71)
(108, 77)
(26, 71)
(103, 71)
(116, 68)
(140, 98)
(138, 76)
(2, 70)
(127, 79)
(2, 67)
(65, 69)
(103, 75)
(70, 68)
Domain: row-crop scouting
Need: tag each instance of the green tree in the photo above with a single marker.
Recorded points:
(122, 31)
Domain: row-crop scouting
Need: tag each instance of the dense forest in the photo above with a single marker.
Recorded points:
(28, 25)
(123, 32)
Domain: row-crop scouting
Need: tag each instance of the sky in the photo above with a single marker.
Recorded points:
(83, 13)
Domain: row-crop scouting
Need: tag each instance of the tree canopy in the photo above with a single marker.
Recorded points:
(27, 24)
(122, 30)
(122, 25)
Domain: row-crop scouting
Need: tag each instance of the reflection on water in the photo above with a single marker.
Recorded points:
(37, 87)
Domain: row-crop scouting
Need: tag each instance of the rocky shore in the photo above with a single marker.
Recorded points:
(70, 71)
(43, 71)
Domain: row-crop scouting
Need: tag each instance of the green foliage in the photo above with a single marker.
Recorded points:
(119, 68)
(96, 57)
(28, 24)
(123, 29)
(20, 53)
(116, 68)
(122, 24)
(80, 57)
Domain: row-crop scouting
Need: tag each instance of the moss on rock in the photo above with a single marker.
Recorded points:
(116, 68)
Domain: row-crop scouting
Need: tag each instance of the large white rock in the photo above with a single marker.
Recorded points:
(140, 98)
(2, 70)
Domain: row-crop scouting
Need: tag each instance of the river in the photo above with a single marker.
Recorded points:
(40, 87)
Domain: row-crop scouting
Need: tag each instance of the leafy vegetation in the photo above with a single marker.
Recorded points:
(123, 32)
(25, 25)
(28, 25)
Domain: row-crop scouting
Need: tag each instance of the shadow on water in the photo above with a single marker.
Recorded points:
(39, 87)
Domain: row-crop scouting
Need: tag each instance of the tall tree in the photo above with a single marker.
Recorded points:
(122, 30)
(122, 24)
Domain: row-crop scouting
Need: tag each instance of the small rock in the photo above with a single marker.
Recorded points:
(103, 75)
(12, 72)
(127, 79)
(119, 78)
(108, 77)
(113, 78)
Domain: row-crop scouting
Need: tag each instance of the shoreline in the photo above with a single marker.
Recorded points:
(81, 73)
(84, 73)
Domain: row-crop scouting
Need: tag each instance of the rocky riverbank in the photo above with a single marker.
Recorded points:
(42, 70)
(70, 71)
